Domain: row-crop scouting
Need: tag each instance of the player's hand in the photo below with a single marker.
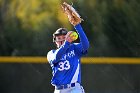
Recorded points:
(68, 37)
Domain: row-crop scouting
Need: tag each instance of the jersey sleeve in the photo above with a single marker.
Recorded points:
(83, 46)
(54, 56)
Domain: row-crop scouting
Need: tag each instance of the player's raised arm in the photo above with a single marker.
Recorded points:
(83, 38)
(75, 19)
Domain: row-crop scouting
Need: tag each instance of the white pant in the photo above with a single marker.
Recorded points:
(77, 89)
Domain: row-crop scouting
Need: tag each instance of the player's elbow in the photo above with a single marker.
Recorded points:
(86, 46)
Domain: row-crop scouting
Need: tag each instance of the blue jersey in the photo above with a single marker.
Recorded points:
(65, 61)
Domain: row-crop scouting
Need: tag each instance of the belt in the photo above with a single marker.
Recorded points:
(65, 86)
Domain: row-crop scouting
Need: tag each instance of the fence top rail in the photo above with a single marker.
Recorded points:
(84, 60)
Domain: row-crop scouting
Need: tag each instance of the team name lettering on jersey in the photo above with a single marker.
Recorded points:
(69, 54)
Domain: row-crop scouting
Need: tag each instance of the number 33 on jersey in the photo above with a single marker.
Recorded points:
(64, 65)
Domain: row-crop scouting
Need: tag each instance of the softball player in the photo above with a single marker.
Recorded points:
(65, 60)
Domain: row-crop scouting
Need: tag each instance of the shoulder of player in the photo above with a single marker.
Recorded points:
(51, 51)
(50, 54)
(74, 44)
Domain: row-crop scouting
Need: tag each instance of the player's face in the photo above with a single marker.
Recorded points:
(60, 40)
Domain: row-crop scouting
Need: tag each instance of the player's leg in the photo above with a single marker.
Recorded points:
(57, 91)
(63, 91)
(83, 91)
(77, 89)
